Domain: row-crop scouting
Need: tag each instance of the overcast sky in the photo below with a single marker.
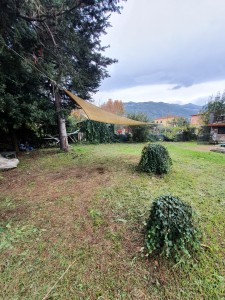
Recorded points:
(168, 50)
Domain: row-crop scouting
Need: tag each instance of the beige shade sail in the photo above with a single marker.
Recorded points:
(95, 113)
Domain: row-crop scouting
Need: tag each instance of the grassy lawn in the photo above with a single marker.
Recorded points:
(86, 210)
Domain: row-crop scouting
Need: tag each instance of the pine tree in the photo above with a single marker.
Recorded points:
(62, 39)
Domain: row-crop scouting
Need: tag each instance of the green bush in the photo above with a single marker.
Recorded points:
(140, 132)
(170, 230)
(155, 159)
(152, 137)
(97, 132)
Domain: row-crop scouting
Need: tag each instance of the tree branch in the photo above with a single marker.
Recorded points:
(43, 17)
(51, 34)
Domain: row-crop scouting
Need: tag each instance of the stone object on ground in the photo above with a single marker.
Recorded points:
(6, 164)
(218, 149)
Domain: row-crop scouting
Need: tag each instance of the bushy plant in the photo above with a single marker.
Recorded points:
(155, 159)
(97, 132)
(180, 133)
(140, 132)
(152, 137)
(204, 135)
(170, 229)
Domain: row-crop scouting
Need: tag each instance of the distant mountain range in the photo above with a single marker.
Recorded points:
(161, 109)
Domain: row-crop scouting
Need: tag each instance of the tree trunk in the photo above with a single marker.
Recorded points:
(15, 141)
(61, 124)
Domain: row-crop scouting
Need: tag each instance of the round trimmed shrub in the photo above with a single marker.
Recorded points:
(170, 230)
(155, 159)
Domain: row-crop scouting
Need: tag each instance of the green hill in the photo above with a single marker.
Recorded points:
(159, 109)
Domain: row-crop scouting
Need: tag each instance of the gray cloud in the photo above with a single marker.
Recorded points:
(177, 87)
(167, 42)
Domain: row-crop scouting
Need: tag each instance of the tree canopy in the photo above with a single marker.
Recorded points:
(215, 107)
(59, 39)
(114, 106)
(139, 133)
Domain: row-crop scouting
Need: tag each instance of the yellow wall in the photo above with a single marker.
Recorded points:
(165, 120)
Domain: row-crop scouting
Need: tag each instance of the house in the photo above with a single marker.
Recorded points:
(165, 121)
(217, 131)
(197, 120)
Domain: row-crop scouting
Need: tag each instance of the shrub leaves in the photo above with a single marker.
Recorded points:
(170, 230)
(155, 159)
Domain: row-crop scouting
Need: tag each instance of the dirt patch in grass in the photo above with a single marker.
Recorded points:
(61, 204)
(18, 213)
(31, 184)
(201, 148)
(60, 199)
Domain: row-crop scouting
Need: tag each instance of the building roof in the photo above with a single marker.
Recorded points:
(168, 117)
(197, 115)
(216, 124)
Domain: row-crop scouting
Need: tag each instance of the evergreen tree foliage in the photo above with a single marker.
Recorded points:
(61, 39)
(64, 35)
(23, 105)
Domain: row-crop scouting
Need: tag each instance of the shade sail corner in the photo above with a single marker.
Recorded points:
(95, 113)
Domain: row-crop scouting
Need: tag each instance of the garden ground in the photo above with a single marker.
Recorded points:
(86, 210)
